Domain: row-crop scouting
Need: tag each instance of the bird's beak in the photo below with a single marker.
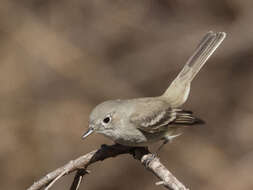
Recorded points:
(90, 130)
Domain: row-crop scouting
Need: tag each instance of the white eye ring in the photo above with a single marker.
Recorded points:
(107, 120)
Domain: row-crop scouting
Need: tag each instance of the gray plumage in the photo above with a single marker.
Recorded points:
(141, 121)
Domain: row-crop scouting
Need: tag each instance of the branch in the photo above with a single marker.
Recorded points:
(150, 162)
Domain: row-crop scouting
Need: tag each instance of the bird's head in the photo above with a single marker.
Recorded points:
(103, 118)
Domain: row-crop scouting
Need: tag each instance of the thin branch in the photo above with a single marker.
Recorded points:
(151, 162)
(78, 179)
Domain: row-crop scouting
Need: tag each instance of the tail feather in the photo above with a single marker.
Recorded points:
(205, 49)
(178, 91)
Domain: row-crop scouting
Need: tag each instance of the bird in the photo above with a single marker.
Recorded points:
(140, 122)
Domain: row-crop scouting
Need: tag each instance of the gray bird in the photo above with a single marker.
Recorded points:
(141, 121)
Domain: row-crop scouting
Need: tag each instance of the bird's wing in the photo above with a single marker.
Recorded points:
(160, 118)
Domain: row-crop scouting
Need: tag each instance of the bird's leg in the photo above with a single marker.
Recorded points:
(167, 139)
(154, 155)
(160, 147)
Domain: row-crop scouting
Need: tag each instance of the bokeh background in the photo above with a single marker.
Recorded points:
(58, 59)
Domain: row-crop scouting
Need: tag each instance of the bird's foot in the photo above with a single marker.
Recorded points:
(150, 159)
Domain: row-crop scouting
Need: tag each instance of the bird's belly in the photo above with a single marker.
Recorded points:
(135, 137)
(140, 139)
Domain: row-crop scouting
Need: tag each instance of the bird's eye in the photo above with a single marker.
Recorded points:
(107, 120)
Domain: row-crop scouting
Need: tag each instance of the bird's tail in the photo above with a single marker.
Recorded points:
(178, 91)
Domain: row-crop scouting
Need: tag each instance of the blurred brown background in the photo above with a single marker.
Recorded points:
(58, 59)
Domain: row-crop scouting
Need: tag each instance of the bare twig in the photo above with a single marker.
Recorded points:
(151, 162)
(78, 179)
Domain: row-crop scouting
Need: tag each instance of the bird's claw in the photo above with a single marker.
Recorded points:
(150, 159)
